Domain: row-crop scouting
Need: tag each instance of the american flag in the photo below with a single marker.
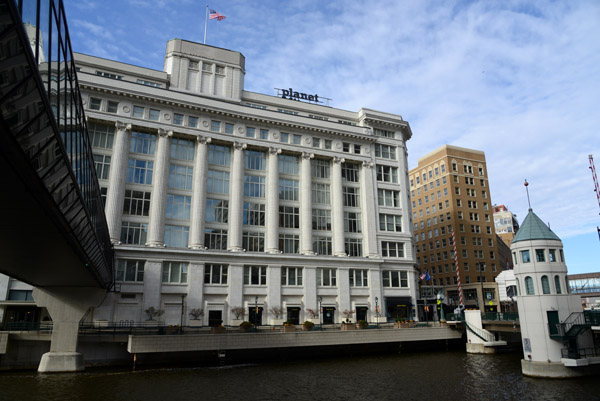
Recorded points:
(215, 15)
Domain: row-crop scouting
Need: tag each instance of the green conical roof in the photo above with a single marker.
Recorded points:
(534, 228)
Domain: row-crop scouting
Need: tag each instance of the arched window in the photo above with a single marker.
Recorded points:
(518, 288)
(557, 284)
(545, 285)
(529, 286)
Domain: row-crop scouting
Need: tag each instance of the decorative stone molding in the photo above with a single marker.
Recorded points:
(121, 126)
(205, 123)
(164, 133)
(306, 155)
(203, 140)
(367, 164)
(167, 116)
(126, 109)
(338, 145)
(338, 160)
(239, 146)
(276, 135)
(274, 151)
(241, 130)
(308, 140)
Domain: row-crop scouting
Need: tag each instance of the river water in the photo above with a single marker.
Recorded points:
(451, 375)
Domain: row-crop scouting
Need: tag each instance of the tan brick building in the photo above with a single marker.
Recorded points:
(450, 191)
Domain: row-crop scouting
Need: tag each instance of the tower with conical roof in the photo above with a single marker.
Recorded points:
(548, 314)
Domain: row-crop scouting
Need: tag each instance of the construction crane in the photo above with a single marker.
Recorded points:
(596, 187)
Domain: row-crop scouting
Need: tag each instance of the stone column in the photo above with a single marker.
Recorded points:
(273, 294)
(116, 183)
(309, 275)
(67, 306)
(344, 301)
(234, 236)
(368, 197)
(199, 194)
(272, 212)
(337, 207)
(195, 293)
(306, 205)
(158, 199)
(376, 291)
(236, 291)
(152, 286)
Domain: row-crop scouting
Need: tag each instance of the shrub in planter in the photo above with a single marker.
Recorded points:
(308, 325)
(245, 326)
(363, 324)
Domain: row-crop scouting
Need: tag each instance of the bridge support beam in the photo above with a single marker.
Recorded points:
(66, 305)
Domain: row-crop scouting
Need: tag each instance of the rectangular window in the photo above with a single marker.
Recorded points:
(289, 243)
(215, 238)
(289, 217)
(215, 274)
(552, 255)
(384, 133)
(102, 135)
(539, 255)
(95, 103)
(180, 177)
(264, 134)
(391, 249)
(154, 114)
(217, 211)
(178, 207)
(316, 142)
(254, 186)
(102, 165)
(289, 165)
(391, 222)
(288, 189)
(174, 272)
(525, 256)
(385, 151)
(177, 119)
(229, 128)
(134, 233)
(139, 171)
(327, 144)
(387, 174)
(284, 137)
(177, 236)
(296, 139)
(321, 220)
(130, 270)
(253, 241)
(345, 147)
(192, 122)
(352, 222)
(326, 277)
(358, 277)
(388, 197)
(320, 193)
(182, 149)
(255, 160)
(137, 203)
(142, 143)
(320, 168)
(217, 182)
(321, 245)
(395, 279)
(291, 276)
(254, 214)
(353, 246)
(250, 132)
(350, 172)
(255, 275)
(219, 155)
(215, 126)
(351, 196)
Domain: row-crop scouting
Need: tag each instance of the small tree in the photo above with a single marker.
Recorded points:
(348, 314)
(313, 314)
(238, 312)
(151, 312)
(277, 311)
(197, 313)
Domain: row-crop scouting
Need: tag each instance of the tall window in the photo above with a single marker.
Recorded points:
(322, 245)
(253, 241)
(326, 277)
(182, 149)
(289, 217)
(174, 272)
(395, 279)
(392, 249)
(217, 182)
(525, 256)
(352, 222)
(358, 277)
(215, 274)
(291, 276)
(142, 143)
(539, 255)
(529, 286)
(385, 151)
(102, 164)
(217, 210)
(219, 155)
(320, 168)
(387, 174)
(139, 171)
(351, 196)
(390, 222)
(320, 193)
(215, 238)
(289, 243)
(321, 219)
(255, 160)
(137, 203)
(254, 214)
(557, 284)
(545, 285)
(178, 207)
(289, 165)
(180, 177)
(353, 246)
(254, 186)
(388, 197)
(176, 236)
(350, 172)
(255, 275)
(288, 189)
(102, 136)
(130, 270)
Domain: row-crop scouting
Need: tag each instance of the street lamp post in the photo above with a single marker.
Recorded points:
(320, 313)
(440, 297)
(182, 311)
(255, 312)
(481, 267)
(377, 311)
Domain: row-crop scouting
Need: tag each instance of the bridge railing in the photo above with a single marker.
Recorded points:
(500, 316)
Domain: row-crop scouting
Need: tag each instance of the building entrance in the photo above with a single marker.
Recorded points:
(361, 313)
(215, 318)
(328, 315)
(293, 315)
(254, 316)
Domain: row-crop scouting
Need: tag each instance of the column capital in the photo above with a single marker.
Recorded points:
(203, 140)
(121, 126)
(164, 133)
(308, 156)
(338, 160)
(367, 164)
(239, 146)
(274, 151)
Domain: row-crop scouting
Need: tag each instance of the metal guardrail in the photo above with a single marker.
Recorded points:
(27, 326)
(580, 353)
(482, 334)
(500, 316)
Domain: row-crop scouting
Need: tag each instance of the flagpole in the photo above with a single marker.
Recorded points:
(205, 23)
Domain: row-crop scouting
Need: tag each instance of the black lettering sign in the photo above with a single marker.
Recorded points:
(293, 95)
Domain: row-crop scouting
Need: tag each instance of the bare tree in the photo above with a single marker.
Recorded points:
(238, 312)
(277, 311)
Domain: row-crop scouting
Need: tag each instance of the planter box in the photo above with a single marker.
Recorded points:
(171, 330)
(288, 329)
(235, 322)
(307, 328)
(277, 322)
(402, 325)
(195, 323)
(348, 326)
(218, 330)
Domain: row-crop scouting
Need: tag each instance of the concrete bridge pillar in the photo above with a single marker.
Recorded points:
(66, 305)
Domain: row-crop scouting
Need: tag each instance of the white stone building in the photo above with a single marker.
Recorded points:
(217, 197)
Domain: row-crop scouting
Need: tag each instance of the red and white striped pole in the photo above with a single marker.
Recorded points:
(460, 294)
(596, 187)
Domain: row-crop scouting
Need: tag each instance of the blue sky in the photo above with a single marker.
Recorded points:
(519, 80)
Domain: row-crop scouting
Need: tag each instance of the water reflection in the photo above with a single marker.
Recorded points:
(424, 376)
